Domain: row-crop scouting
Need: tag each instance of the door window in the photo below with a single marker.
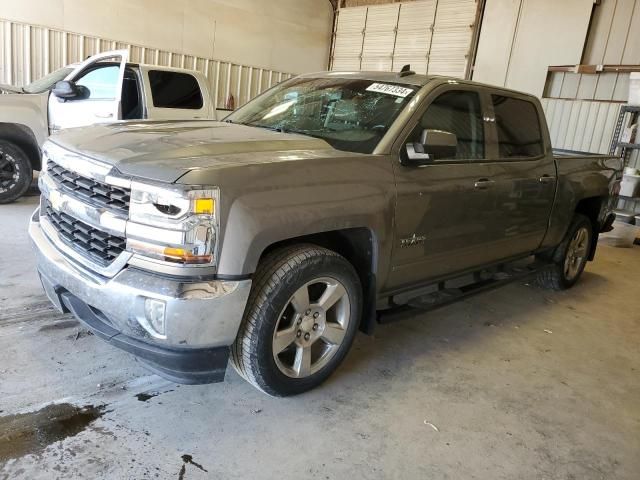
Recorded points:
(102, 82)
(458, 112)
(175, 90)
(518, 127)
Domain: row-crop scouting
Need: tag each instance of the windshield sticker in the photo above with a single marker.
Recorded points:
(394, 90)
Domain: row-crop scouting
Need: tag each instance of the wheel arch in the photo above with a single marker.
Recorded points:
(591, 207)
(359, 246)
(24, 138)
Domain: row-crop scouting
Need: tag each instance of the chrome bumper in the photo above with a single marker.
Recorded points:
(197, 314)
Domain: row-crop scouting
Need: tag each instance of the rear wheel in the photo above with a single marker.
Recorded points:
(570, 257)
(16, 172)
(301, 318)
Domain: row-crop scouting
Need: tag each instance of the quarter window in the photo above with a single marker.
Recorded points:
(518, 127)
(175, 90)
(458, 112)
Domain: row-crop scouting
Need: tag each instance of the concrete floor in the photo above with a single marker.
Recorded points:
(517, 383)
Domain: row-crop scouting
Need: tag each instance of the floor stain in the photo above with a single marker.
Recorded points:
(186, 458)
(59, 325)
(80, 334)
(143, 397)
(30, 433)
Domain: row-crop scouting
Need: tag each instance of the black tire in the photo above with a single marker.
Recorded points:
(16, 172)
(555, 277)
(279, 275)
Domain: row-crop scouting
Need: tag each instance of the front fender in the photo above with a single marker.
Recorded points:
(27, 111)
(252, 226)
(270, 202)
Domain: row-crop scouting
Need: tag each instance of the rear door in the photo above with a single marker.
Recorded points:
(524, 172)
(102, 75)
(446, 209)
(175, 95)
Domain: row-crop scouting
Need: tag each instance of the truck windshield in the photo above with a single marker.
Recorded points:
(350, 114)
(48, 81)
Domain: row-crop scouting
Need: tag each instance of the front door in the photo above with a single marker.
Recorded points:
(102, 75)
(445, 209)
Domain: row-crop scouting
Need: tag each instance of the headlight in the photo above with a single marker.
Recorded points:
(43, 170)
(43, 162)
(173, 224)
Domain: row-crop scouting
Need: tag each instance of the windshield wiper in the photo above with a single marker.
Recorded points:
(273, 129)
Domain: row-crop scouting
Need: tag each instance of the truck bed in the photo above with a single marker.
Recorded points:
(581, 176)
(562, 153)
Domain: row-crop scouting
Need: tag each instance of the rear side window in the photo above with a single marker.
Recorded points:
(175, 90)
(518, 127)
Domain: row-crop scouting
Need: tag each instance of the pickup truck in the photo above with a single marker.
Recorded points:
(104, 88)
(317, 209)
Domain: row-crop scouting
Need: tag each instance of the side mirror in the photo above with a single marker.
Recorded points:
(68, 90)
(433, 144)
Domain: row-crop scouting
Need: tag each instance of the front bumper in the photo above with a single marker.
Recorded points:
(202, 317)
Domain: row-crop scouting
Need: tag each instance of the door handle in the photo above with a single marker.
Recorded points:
(103, 115)
(546, 179)
(483, 183)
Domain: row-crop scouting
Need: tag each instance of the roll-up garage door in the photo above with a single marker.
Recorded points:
(413, 39)
(433, 36)
(379, 37)
(452, 37)
(347, 53)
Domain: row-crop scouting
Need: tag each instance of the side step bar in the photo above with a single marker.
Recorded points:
(444, 294)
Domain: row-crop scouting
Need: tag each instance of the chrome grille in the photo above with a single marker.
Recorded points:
(89, 190)
(94, 244)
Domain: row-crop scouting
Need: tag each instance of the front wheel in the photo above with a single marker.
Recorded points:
(16, 172)
(570, 257)
(300, 320)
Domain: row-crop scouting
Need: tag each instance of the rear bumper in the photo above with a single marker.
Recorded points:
(607, 225)
(201, 317)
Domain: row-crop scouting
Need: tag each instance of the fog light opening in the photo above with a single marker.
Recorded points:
(154, 312)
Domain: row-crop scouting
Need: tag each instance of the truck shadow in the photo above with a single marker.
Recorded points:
(468, 324)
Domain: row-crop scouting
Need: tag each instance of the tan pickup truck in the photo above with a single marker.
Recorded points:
(329, 203)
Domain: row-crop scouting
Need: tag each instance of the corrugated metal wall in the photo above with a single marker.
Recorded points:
(434, 36)
(586, 126)
(28, 52)
(582, 109)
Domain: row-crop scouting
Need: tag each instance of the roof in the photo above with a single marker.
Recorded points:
(138, 64)
(387, 77)
(415, 79)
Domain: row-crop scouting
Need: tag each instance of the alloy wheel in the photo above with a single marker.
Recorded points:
(311, 327)
(576, 253)
(9, 171)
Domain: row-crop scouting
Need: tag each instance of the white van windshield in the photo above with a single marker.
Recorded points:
(48, 81)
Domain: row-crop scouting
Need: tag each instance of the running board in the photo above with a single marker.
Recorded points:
(444, 294)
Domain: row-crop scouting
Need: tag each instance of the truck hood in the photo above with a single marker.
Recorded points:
(9, 89)
(165, 151)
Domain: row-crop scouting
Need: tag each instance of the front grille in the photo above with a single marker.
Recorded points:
(94, 244)
(91, 191)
